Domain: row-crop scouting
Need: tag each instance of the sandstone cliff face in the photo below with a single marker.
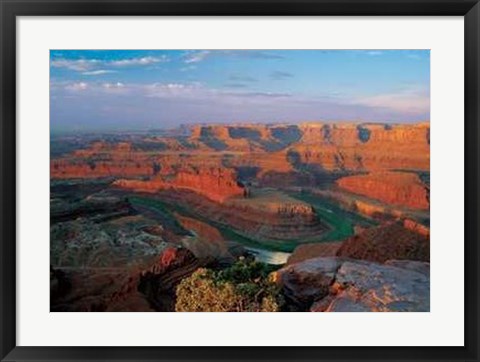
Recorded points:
(270, 149)
(396, 188)
(364, 147)
(216, 184)
(343, 285)
(244, 137)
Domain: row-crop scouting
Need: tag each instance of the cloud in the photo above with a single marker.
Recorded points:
(279, 75)
(89, 66)
(75, 87)
(113, 85)
(79, 65)
(196, 91)
(138, 61)
(175, 97)
(407, 101)
(116, 88)
(91, 88)
(117, 105)
(169, 90)
(193, 91)
(99, 72)
(196, 56)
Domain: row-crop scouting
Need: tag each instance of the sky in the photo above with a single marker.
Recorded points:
(145, 89)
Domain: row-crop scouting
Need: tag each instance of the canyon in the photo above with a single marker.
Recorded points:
(327, 204)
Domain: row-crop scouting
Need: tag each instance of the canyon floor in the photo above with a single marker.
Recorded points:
(337, 214)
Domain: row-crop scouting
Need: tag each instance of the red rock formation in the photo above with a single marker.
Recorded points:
(216, 184)
(225, 134)
(396, 188)
(416, 227)
(384, 242)
(369, 209)
(335, 146)
(364, 147)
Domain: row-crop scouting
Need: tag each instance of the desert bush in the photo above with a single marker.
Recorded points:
(243, 287)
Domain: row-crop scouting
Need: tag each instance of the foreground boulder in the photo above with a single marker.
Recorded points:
(305, 282)
(334, 284)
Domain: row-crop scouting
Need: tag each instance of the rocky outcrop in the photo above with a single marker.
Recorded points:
(127, 289)
(384, 242)
(308, 281)
(342, 285)
(90, 244)
(379, 288)
(97, 207)
(159, 281)
(395, 188)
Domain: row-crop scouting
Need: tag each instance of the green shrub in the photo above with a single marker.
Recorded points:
(243, 287)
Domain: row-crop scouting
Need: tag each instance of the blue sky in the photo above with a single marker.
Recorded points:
(142, 89)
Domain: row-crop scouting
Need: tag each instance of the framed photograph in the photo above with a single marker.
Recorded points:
(239, 181)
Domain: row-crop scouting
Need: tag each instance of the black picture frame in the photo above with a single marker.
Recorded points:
(9, 351)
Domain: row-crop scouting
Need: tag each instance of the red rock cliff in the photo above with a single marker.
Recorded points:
(217, 184)
(397, 188)
(364, 147)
